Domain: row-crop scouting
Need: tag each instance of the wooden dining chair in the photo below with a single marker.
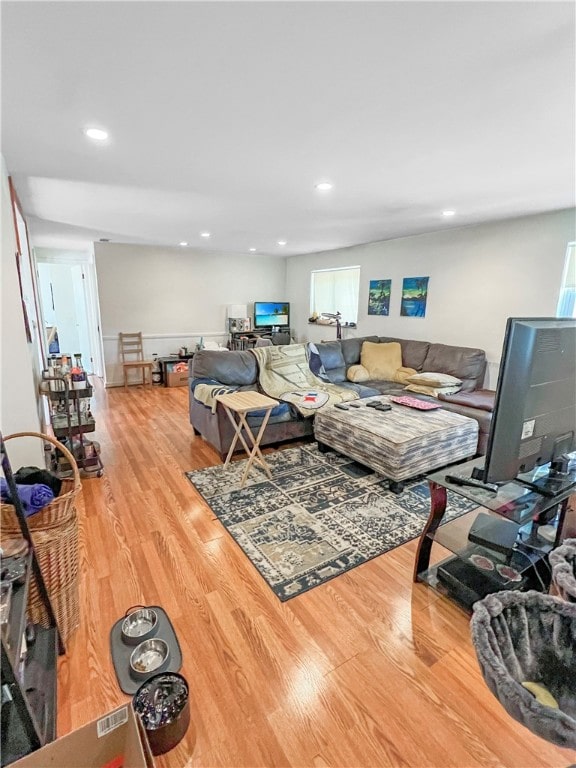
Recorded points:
(132, 355)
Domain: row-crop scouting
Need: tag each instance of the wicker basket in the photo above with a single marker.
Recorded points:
(54, 532)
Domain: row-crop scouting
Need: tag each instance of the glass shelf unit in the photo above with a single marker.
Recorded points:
(472, 571)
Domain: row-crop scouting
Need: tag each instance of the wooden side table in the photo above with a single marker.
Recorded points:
(237, 405)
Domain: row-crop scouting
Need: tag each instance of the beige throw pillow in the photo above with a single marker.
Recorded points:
(381, 360)
(434, 380)
(357, 373)
(402, 375)
(432, 391)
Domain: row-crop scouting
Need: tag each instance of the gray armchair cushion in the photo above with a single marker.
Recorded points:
(529, 637)
(227, 367)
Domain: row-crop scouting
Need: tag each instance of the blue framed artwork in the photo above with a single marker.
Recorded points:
(414, 296)
(379, 297)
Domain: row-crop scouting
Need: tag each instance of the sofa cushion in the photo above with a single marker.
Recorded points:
(357, 373)
(413, 352)
(226, 367)
(352, 348)
(432, 391)
(381, 360)
(315, 362)
(381, 387)
(480, 398)
(333, 360)
(403, 375)
(432, 379)
(466, 363)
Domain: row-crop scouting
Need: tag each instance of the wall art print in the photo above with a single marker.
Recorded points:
(414, 296)
(379, 297)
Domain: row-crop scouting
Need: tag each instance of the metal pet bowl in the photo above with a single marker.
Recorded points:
(139, 625)
(148, 657)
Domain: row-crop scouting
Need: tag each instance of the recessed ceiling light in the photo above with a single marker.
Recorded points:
(281, 242)
(96, 133)
(183, 243)
(204, 234)
(324, 186)
(448, 213)
(252, 250)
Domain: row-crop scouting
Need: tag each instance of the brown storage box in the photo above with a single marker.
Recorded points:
(116, 740)
(176, 374)
(177, 379)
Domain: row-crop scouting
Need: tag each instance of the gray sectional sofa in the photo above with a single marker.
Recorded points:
(239, 369)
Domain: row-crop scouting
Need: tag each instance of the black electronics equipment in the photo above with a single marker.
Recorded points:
(465, 582)
(495, 533)
(534, 418)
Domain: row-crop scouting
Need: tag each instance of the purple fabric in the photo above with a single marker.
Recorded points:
(33, 497)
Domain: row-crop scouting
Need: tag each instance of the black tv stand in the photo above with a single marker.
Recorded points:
(240, 340)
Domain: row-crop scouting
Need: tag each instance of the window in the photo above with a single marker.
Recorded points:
(567, 300)
(336, 290)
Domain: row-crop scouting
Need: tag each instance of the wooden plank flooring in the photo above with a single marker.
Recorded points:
(366, 670)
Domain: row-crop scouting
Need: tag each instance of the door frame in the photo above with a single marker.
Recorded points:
(90, 286)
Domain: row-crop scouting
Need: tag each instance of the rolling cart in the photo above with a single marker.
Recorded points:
(71, 420)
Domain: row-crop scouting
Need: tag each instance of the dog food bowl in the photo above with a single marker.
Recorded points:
(139, 625)
(148, 657)
(164, 708)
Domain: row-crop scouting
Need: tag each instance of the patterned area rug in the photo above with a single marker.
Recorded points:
(319, 516)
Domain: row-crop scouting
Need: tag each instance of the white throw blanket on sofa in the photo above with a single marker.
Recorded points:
(284, 373)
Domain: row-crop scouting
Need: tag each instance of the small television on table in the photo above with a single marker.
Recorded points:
(271, 313)
(534, 419)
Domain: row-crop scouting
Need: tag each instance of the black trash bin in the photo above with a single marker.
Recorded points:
(164, 708)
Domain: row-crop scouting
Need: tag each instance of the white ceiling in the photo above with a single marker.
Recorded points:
(223, 115)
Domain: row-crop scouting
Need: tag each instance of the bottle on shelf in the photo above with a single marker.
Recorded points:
(156, 374)
(65, 367)
(78, 374)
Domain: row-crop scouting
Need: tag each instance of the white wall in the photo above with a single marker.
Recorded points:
(175, 296)
(479, 276)
(19, 402)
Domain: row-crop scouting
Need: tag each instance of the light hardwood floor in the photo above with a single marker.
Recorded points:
(366, 670)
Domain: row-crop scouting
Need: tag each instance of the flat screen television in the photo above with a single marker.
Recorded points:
(271, 313)
(534, 418)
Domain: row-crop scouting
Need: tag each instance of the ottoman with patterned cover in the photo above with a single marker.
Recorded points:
(400, 443)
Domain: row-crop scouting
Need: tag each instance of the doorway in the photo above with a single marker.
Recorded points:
(69, 310)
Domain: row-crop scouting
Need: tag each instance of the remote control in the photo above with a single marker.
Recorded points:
(457, 480)
(354, 405)
(342, 406)
(383, 407)
(373, 404)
